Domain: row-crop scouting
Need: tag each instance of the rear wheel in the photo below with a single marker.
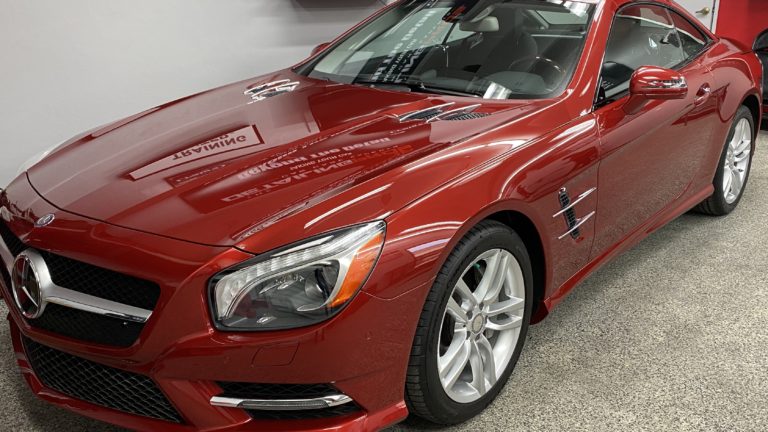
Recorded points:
(733, 169)
(472, 327)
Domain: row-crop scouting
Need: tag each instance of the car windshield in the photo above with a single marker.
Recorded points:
(494, 49)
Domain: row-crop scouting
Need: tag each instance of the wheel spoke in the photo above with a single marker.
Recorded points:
(746, 132)
(742, 156)
(456, 311)
(738, 136)
(465, 293)
(737, 182)
(744, 143)
(727, 179)
(493, 278)
(508, 306)
(453, 363)
(478, 372)
(507, 324)
(489, 363)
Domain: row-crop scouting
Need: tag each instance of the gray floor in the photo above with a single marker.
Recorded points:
(673, 335)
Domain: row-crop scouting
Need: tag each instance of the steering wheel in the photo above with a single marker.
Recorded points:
(553, 65)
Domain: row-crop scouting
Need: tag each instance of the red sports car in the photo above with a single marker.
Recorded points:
(370, 233)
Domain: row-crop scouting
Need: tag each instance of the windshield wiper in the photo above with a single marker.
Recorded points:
(415, 86)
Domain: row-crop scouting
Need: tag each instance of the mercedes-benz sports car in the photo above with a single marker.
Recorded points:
(370, 233)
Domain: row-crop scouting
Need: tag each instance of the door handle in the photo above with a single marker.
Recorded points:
(705, 11)
(705, 91)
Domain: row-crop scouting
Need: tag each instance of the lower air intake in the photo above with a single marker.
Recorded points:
(98, 384)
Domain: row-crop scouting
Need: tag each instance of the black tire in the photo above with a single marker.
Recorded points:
(716, 205)
(424, 394)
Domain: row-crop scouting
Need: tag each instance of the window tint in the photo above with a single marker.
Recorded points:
(642, 35)
(692, 39)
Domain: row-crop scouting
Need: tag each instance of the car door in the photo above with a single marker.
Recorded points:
(650, 157)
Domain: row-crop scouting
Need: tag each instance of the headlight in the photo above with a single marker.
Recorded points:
(298, 285)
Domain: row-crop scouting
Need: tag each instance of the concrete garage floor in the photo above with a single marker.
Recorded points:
(673, 335)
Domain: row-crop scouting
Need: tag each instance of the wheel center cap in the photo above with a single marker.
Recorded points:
(478, 324)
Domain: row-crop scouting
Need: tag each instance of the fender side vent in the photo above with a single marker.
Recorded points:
(570, 214)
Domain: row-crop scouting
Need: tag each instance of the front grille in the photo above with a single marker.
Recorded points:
(98, 384)
(88, 327)
(238, 390)
(14, 244)
(92, 280)
(100, 282)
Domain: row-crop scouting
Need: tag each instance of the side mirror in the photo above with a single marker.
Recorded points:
(320, 48)
(761, 44)
(654, 83)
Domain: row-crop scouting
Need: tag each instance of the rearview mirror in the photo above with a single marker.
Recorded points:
(320, 48)
(761, 44)
(654, 83)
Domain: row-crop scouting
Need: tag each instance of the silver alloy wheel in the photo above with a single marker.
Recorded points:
(736, 165)
(481, 325)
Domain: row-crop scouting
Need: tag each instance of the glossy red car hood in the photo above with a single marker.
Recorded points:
(217, 167)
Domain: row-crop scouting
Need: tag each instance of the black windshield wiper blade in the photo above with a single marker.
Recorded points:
(372, 83)
(415, 86)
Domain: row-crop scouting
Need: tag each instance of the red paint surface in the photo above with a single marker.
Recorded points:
(430, 182)
(742, 20)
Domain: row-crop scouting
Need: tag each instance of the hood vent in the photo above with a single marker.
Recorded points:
(426, 113)
(464, 116)
(272, 89)
(442, 112)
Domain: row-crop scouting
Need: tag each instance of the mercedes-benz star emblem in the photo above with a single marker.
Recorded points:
(26, 287)
(45, 220)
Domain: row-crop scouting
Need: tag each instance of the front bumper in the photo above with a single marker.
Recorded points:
(363, 352)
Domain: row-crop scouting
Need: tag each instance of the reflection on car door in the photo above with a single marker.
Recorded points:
(649, 158)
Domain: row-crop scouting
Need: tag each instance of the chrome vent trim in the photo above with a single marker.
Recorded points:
(271, 89)
(425, 113)
(574, 232)
(568, 212)
(573, 204)
(454, 113)
(282, 404)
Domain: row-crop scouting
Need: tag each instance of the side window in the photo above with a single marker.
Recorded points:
(692, 39)
(641, 35)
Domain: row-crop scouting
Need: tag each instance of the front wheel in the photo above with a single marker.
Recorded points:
(733, 169)
(472, 327)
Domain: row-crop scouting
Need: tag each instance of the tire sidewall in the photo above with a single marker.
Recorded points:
(499, 237)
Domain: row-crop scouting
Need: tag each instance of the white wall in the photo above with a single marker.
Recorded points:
(68, 66)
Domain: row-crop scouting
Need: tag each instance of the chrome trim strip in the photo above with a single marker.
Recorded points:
(263, 91)
(466, 109)
(581, 198)
(52, 293)
(261, 87)
(408, 116)
(88, 303)
(6, 256)
(578, 225)
(282, 404)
